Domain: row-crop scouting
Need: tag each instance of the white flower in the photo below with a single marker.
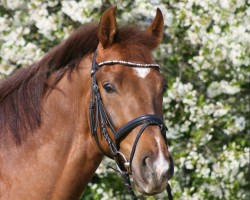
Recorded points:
(205, 172)
(217, 88)
(225, 4)
(52, 3)
(189, 164)
(220, 110)
(6, 68)
(13, 4)
(46, 25)
(240, 123)
(228, 88)
(168, 18)
(214, 89)
(4, 24)
(79, 11)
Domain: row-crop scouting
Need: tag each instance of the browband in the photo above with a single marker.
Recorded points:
(122, 62)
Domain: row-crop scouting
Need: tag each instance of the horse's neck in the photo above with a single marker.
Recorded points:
(61, 157)
(81, 157)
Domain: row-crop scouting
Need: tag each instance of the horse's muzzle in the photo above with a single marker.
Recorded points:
(154, 174)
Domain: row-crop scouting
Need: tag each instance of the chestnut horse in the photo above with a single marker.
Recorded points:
(47, 149)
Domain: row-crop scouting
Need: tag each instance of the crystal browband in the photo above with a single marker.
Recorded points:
(121, 62)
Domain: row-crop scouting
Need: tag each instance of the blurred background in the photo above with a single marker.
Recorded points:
(205, 56)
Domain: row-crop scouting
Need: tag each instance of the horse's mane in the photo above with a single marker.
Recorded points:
(21, 93)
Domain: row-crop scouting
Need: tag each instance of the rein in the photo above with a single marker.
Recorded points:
(99, 117)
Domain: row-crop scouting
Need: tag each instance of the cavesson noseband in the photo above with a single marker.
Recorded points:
(99, 117)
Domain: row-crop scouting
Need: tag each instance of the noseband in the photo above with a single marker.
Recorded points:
(99, 117)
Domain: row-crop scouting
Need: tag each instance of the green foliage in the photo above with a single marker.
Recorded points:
(205, 55)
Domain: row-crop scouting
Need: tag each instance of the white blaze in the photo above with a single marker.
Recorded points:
(141, 72)
(161, 164)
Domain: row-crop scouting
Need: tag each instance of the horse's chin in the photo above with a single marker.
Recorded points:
(148, 188)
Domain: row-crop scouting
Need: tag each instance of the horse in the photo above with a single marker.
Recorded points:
(96, 94)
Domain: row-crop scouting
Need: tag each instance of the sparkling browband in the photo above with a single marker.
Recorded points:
(113, 62)
(121, 62)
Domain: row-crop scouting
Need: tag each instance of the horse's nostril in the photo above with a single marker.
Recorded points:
(144, 161)
(157, 169)
(147, 165)
(145, 170)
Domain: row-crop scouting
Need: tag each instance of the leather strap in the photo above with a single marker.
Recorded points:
(143, 119)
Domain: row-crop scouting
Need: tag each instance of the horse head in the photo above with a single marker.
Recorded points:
(131, 90)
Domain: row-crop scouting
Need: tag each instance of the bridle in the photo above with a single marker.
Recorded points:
(99, 117)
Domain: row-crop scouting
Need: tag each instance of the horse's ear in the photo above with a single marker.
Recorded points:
(156, 28)
(107, 27)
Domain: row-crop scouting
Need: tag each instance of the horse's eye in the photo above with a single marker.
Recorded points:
(108, 87)
(165, 87)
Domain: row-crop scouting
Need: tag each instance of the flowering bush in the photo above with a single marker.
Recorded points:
(205, 56)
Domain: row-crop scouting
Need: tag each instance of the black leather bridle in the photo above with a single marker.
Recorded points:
(99, 117)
